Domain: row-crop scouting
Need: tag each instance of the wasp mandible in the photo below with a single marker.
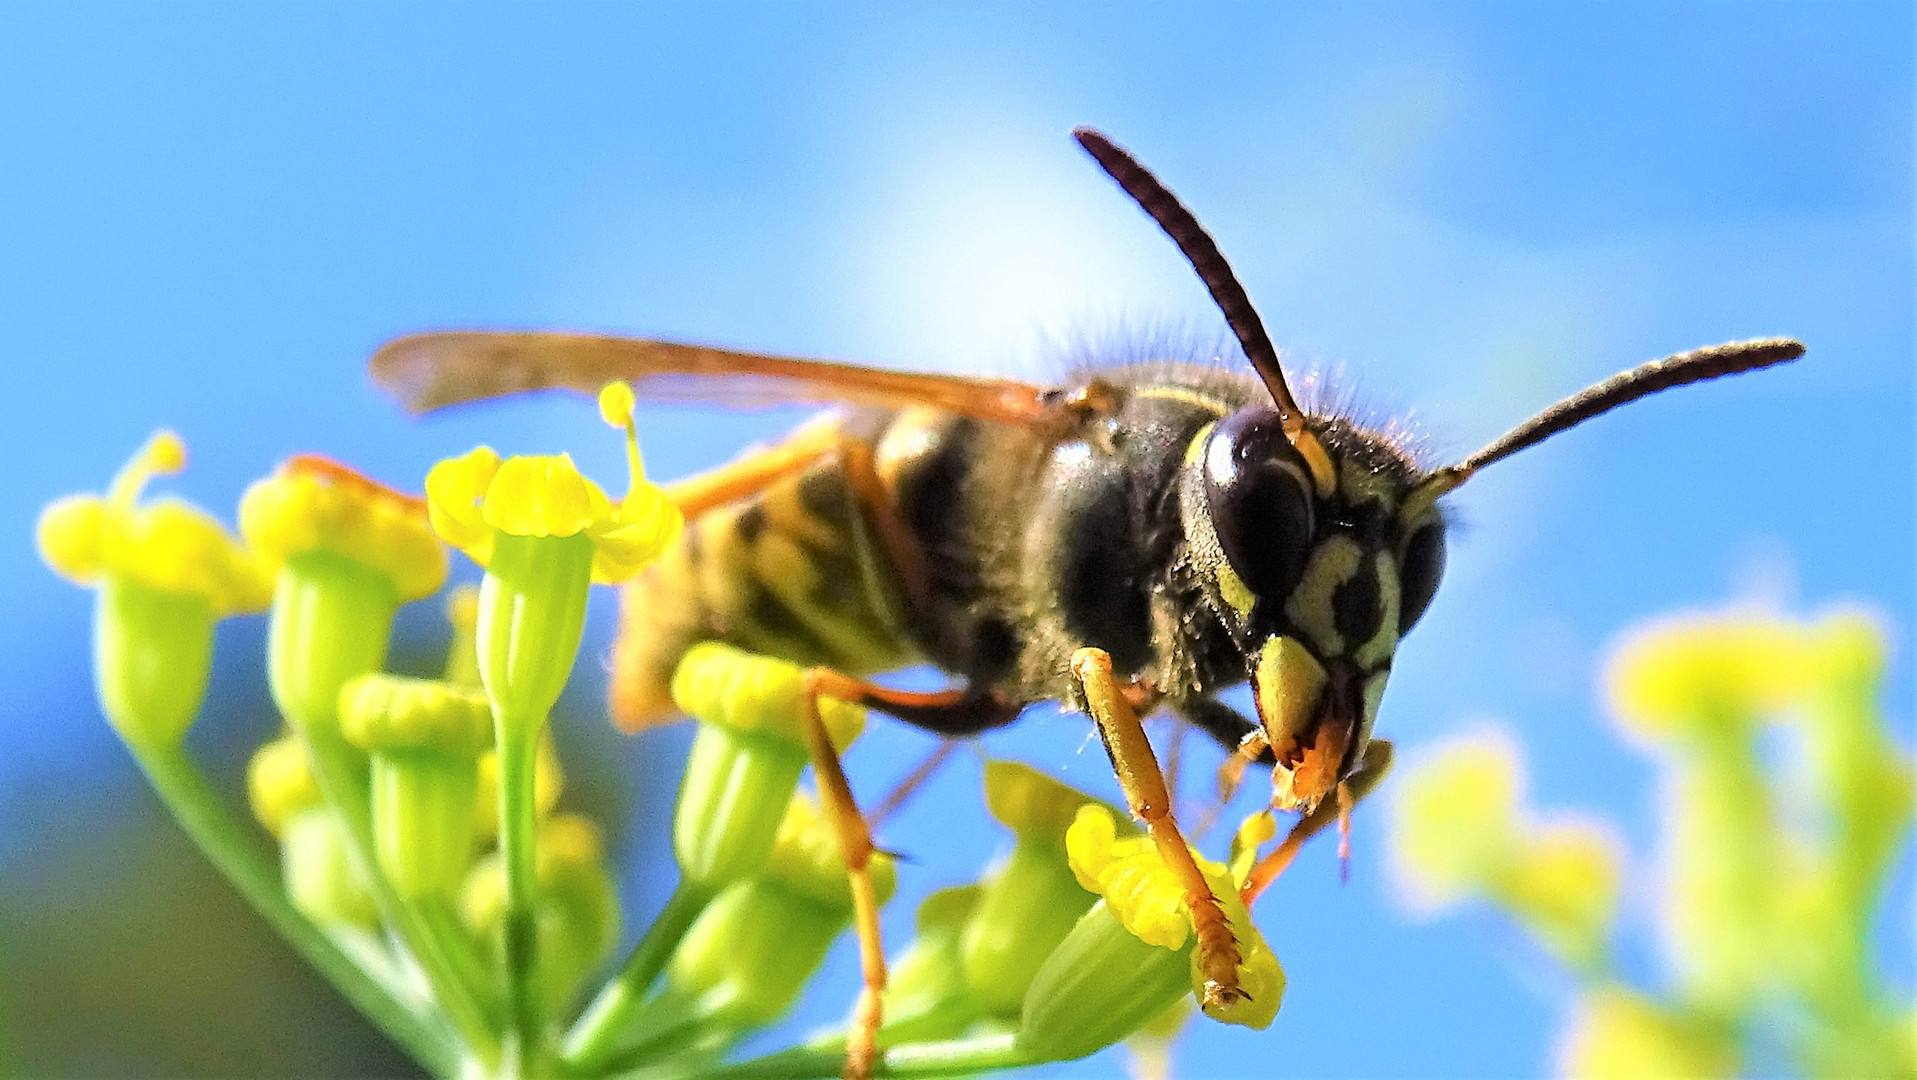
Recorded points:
(1139, 541)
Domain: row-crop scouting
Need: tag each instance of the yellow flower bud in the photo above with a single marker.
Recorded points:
(166, 573)
(805, 858)
(719, 684)
(280, 783)
(1029, 900)
(423, 738)
(578, 909)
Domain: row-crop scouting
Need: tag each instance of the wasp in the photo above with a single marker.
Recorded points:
(1135, 542)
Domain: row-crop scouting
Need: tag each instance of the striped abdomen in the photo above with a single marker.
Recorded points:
(793, 571)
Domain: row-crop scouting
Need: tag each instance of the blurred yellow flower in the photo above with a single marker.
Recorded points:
(1732, 668)
(1455, 824)
(1619, 1035)
(167, 545)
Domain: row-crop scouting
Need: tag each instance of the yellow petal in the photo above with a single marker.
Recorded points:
(71, 535)
(643, 526)
(544, 496)
(179, 548)
(169, 545)
(1138, 887)
(454, 488)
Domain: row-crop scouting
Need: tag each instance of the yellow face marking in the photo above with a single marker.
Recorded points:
(1385, 641)
(1288, 682)
(1332, 562)
(1374, 693)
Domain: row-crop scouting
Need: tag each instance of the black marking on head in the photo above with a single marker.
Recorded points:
(1356, 607)
(1368, 521)
(1419, 572)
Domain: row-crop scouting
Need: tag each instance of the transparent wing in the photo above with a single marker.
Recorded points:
(431, 371)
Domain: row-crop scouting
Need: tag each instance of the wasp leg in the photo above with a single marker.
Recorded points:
(1150, 802)
(1362, 781)
(799, 452)
(1252, 748)
(914, 780)
(954, 711)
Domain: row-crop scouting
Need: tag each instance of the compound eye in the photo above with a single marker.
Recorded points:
(1418, 573)
(1259, 492)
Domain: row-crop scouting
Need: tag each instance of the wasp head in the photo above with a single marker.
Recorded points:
(1318, 563)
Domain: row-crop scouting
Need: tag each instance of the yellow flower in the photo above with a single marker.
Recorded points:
(1456, 818)
(1620, 1035)
(1695, 672)
(313, 503)
(474, 498)
(1148, 900)
(1564, 885)
(167, 546)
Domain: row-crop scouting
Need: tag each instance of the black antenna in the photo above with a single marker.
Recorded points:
(1202, 252)
(1641, 381)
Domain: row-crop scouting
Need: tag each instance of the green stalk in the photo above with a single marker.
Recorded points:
(518, 740)
(950, 1057)
(227, 845)
(427, 941)
(593, 1039)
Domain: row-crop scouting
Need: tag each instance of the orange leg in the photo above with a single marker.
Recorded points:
(1150, 802)
(1362, 781)
(855, 833)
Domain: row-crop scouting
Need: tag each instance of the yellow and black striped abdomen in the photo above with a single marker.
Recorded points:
(793, 571)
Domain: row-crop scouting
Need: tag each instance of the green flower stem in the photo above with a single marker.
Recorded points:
(433, 945)
(227, 845)
(684, 1028)
(951, 1057)
(518, 741)
(594, 1038)
(331, 620)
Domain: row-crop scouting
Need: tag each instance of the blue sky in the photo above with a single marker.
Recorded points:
(209, 216)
